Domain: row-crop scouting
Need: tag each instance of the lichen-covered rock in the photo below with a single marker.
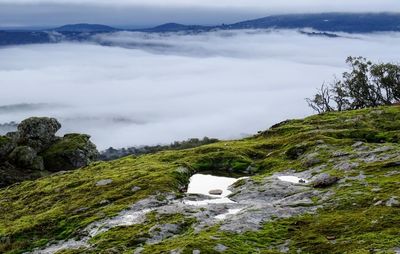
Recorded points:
(70, 152)
(324, 180)
(311, 160)
(6, 146)
(38, 132)
(26, 157)
(161, 232)
(296, 151)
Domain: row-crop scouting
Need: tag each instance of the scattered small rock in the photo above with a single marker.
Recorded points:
(138, 250)
(393, 202)
(105, 202)
(104, 182)
(324, 180)
(135, 189)
(215, 192)
(220, 248)
(196, 252)
(346, 166)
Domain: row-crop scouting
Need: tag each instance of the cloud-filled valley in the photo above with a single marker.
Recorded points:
(151, 88)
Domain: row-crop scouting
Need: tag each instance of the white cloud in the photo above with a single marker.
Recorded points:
(219, 84)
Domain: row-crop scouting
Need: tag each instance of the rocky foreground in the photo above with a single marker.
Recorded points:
(35, 151)
(346, 198)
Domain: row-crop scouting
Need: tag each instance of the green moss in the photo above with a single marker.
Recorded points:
(36, 212)
(70, 142)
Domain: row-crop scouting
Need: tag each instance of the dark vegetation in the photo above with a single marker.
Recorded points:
(112, 153)
(366, 85)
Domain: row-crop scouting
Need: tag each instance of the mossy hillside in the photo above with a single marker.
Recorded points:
(56, 207)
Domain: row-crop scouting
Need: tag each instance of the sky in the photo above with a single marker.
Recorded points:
(155, 89)
(145, 13)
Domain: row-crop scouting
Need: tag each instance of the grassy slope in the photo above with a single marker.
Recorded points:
(56, 207)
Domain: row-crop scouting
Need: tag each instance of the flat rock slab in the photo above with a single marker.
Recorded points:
(104, 182)
(215, 192)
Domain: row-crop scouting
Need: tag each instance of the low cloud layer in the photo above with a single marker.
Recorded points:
(150, 89)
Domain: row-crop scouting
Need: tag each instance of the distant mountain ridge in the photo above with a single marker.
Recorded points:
(84, 27)
(324, 24)
(328, 22)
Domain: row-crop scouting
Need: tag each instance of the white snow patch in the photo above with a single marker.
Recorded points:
(202, 184)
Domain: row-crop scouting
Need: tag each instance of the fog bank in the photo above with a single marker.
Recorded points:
(150, 89)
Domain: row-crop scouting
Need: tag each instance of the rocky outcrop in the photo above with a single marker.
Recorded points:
(70, 152)
(34, 150)
(26, 157)
(38, 132)
(6, 146)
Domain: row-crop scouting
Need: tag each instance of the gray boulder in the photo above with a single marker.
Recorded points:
(26, 157)
(324, 180)
(6, 146)
(38, 132)
(70, 152)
